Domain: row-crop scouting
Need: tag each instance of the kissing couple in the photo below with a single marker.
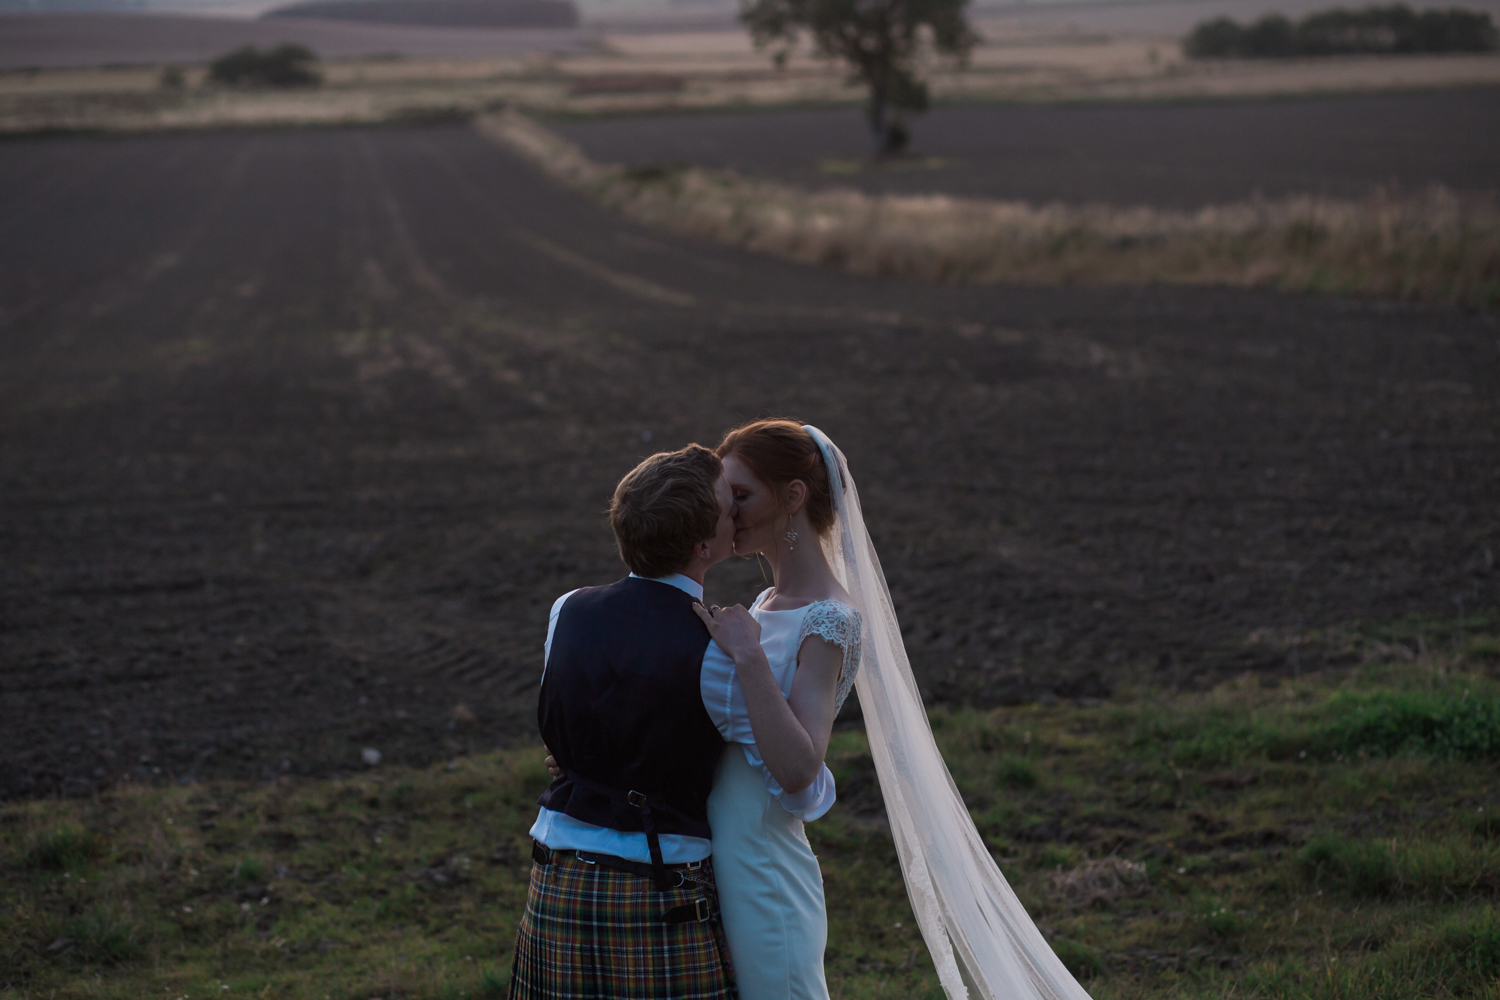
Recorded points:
(687, 747)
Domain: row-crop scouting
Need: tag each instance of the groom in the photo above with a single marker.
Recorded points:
(622, 900)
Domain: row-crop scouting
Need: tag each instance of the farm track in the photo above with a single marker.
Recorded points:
(303, 432)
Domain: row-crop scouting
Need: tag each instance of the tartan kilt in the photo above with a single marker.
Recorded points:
(595, 933)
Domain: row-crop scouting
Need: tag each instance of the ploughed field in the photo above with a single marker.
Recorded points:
(303, 431)
(1166, 155)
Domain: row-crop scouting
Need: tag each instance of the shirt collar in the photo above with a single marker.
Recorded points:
(685, 584)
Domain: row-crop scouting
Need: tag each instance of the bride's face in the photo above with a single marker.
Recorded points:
(756, 507)
(722, 545)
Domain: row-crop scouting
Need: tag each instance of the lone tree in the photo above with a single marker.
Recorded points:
(879, 40)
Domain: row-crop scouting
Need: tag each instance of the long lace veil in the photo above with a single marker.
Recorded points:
(980, 936)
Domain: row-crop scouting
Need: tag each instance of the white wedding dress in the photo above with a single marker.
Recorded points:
(982, 941)
(770, 888)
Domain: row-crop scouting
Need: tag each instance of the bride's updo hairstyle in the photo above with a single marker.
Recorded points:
(778, 451)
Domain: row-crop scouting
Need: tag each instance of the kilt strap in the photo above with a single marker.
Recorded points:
(678, 875)
(700, 910)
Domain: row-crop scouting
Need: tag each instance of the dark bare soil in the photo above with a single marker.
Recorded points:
(301, 433)
(1165, 155)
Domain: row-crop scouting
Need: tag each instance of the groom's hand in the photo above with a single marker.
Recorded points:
(553, 767)
(734, 629)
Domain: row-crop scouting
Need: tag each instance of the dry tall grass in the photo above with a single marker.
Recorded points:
(1435, 247)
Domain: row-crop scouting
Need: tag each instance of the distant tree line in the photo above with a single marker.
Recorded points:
(1393, 29)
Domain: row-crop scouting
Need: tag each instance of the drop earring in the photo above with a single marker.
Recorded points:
(791, 541)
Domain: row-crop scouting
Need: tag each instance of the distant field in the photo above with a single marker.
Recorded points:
(1166, 155)
(437, 13)
(383, 73)
(78, 40)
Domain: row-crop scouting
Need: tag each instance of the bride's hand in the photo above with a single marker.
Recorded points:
(736, 632)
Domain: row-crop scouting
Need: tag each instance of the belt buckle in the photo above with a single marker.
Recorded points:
(637, 799)
(703, 909)
(693, 866)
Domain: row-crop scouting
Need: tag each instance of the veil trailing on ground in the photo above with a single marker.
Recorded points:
(981, 939)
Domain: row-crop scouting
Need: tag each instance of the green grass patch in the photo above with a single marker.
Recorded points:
(100, 936)
(67, 846)
(248, 870)
(1449, 721)
(1428, 866)
(1461, 728)
(1334, 837)
(1017, 772)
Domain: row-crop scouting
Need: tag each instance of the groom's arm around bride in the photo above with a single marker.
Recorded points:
(622, 899)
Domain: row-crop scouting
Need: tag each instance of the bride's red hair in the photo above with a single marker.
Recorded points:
(778, 451)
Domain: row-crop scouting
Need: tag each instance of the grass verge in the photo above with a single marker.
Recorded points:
(1435, 247)
(1245, 841)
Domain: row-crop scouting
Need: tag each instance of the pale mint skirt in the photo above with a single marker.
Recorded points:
(770, 888)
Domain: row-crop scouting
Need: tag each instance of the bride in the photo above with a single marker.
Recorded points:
(774, 685)
(773, 682)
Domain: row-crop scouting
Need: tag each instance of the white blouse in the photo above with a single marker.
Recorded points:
(781, 636)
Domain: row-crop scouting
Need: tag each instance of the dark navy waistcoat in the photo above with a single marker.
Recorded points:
(620, 708)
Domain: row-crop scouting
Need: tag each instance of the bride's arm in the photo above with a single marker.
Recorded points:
(812, 701)
(792, 732)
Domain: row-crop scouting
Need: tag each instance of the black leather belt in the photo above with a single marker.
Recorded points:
(649, 805)
(699, 910)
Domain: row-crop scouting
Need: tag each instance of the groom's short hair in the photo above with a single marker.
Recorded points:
(665, 506)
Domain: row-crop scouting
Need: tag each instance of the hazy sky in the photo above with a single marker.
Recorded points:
(1145, 16)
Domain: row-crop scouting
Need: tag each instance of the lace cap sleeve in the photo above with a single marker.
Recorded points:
(840, 625)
